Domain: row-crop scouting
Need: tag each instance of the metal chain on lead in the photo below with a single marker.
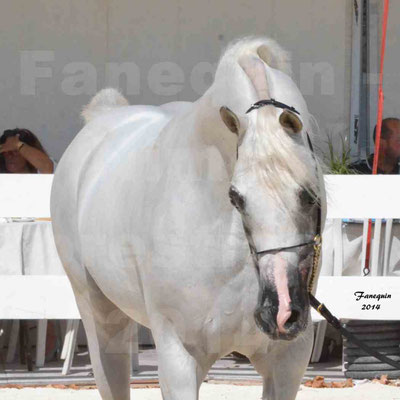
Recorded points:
(317, 253)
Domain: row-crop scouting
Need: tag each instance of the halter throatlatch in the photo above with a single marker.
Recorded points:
(317, 241)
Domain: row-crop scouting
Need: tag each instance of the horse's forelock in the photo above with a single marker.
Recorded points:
(280, 159)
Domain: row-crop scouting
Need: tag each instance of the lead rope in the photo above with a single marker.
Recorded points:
(332, 320)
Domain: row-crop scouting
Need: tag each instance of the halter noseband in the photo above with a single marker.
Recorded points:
(317, 241)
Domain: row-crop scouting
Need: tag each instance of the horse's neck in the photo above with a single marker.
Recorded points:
(200, 155)
(208, 130)
(198, 144)
(232, 91)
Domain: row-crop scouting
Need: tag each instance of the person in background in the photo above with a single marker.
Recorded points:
(22, 153)
(389, 152)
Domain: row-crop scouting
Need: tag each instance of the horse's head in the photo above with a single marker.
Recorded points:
(275, 188)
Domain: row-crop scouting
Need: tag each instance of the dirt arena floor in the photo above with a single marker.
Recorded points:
(210, 391)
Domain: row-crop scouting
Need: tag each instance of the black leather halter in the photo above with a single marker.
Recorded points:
(271, 102)
(316, 242)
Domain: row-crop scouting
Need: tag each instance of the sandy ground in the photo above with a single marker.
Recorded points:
(369, 391)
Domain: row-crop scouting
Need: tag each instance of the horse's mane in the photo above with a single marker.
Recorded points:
(272, 54)
(282, 159)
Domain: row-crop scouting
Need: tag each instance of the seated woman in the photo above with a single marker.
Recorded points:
(22, 153)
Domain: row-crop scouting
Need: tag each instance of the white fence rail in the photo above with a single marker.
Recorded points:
(355, 196)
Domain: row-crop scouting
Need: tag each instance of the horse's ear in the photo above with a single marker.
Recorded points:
(290, 122)
(230, 119)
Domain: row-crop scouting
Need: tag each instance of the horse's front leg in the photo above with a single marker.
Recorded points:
(283, 365)
(181, 368)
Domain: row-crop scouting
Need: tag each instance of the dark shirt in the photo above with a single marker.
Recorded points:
(365, 167)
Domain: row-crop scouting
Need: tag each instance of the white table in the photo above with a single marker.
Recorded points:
(28, 248)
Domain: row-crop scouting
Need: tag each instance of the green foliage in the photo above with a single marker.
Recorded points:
(339, 162)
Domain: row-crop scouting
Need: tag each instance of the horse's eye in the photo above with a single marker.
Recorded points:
(306, 198)
(236, 198)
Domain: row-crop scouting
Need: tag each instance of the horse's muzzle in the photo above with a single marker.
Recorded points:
(282, 310)
(296, 322)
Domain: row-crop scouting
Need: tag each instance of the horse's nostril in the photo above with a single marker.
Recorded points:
(294, 317)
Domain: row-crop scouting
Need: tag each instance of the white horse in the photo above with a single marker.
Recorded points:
(145, 228)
